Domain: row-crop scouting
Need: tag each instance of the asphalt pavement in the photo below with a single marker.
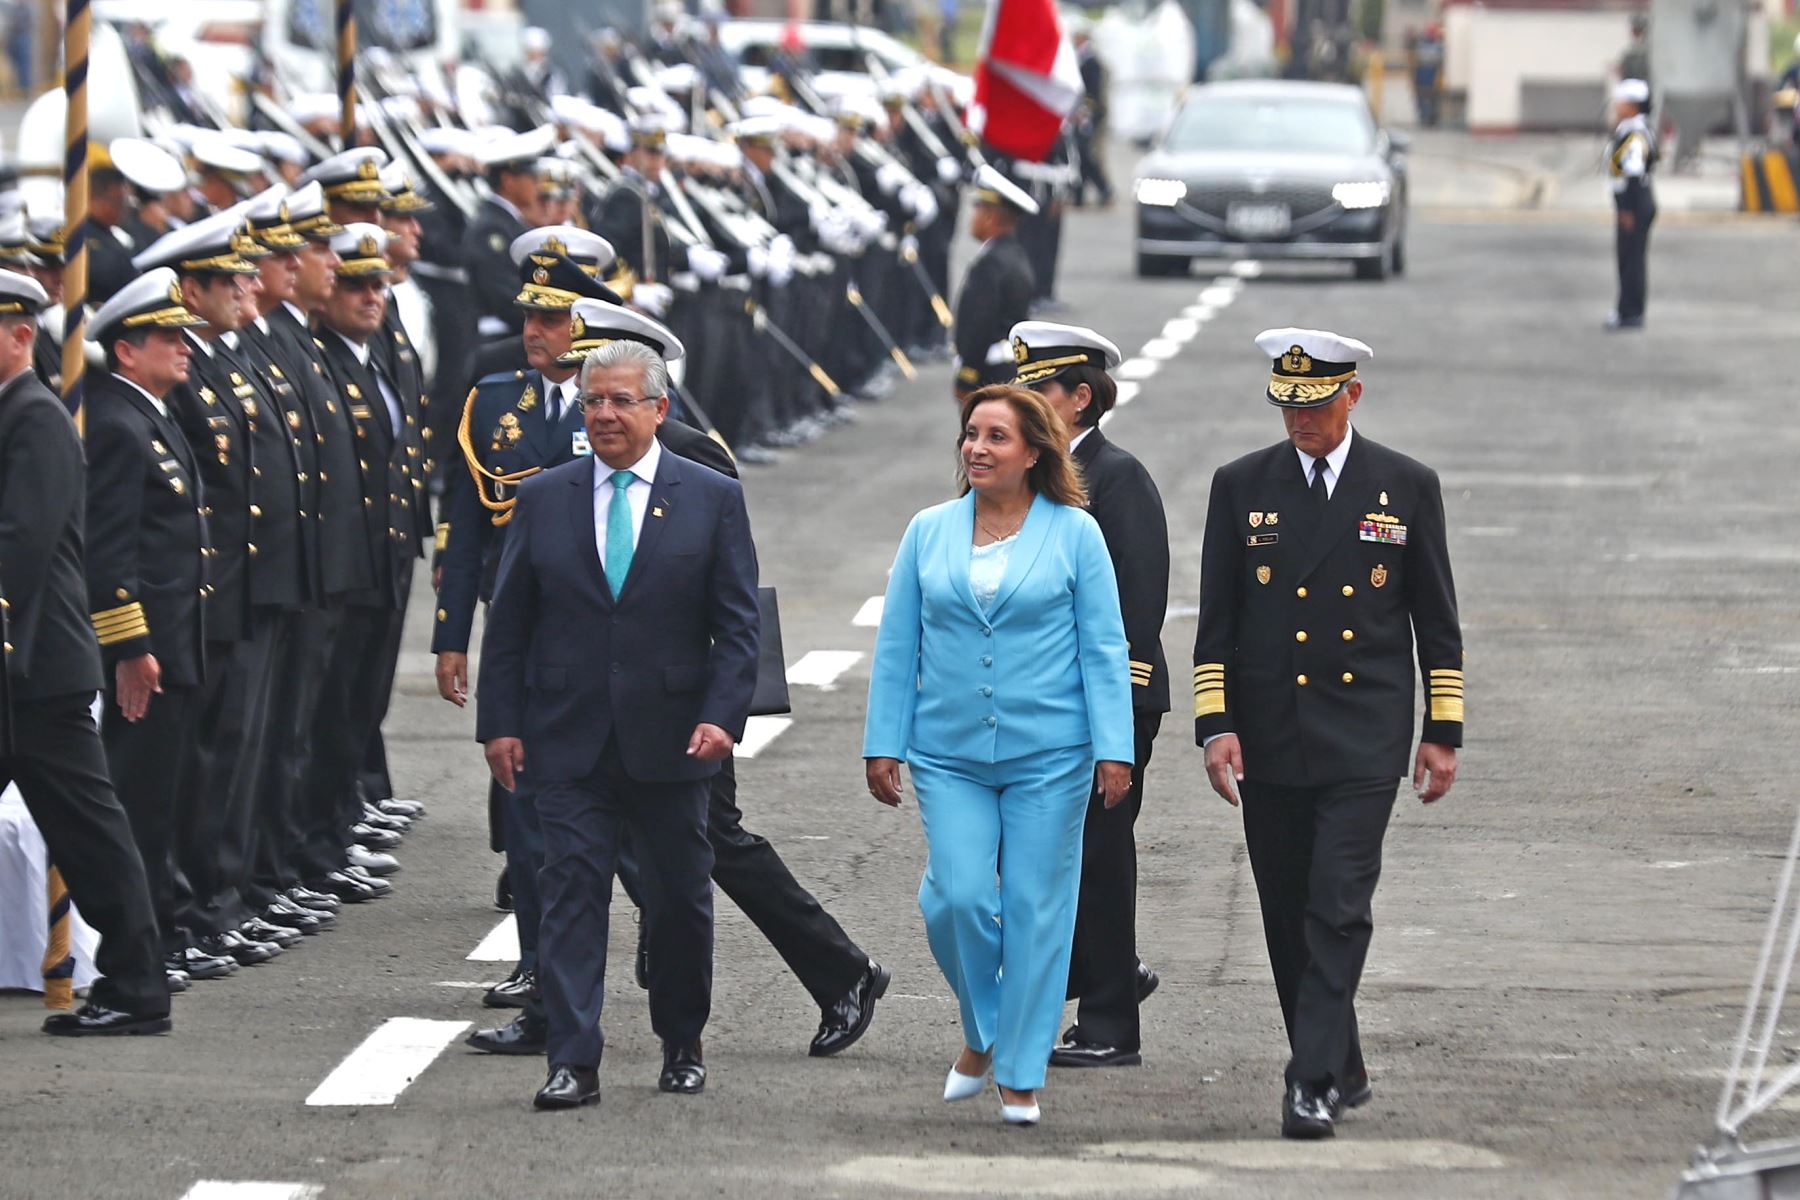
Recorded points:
(1561, 946)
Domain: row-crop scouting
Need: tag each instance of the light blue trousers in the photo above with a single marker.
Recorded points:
(1005, 948)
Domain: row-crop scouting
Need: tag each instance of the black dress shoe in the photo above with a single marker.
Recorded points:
(377, 887)
(640, 966)
(1354, 1093)
(1147, 981)
(682, 1072)
(196, 964)
(234, 945)
(1076, 1053)
(342, 888)
(96, 1020)
(305, 897)
(291, 914)
(411, 810)
(177, 980)
(258, 930)
(503, 901)
(1305, 1113)
(844, 1022)
(523, 1036)
(569, 1087)
(513, 991)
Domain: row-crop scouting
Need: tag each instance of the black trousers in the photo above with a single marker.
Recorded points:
(144, 758)
(1633, 250)
(342, 723)
(298, 672)
(216, 848)
(60, 766)
(373, 781)
(1316, 854)
(584, 822)
(1103, 966)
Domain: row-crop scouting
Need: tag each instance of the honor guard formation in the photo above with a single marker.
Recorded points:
(505, 353)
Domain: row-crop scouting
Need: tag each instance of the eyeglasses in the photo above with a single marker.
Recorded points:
(622, 404)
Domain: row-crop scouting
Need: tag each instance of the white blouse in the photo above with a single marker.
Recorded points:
(987, 567)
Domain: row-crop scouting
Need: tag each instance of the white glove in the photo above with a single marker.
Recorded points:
(819, 213)
(923, 205)
(759, 261)
(781, 249)
(652, 298)
(707, 263)
(948, 169)
(780, 271)
(869, 223)
(890, 177)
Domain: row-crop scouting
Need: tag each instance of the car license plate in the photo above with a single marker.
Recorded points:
(1258, 220)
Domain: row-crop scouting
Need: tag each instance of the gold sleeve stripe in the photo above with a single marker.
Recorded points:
(111, 633)
(1445, 674)
(1210, 704)
(1141, 666)
(134, 609)
(1445, 709)
(443, 536)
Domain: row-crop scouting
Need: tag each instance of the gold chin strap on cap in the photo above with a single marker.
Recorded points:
(500, 506)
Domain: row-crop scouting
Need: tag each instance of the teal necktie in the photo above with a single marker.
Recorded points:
(618, 533)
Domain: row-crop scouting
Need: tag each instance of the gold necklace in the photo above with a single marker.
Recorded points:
(998, 537)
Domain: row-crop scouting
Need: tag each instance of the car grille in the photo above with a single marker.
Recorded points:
(1216, 199)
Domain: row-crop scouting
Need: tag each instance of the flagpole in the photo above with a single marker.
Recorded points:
(346, 72)
(76, 31)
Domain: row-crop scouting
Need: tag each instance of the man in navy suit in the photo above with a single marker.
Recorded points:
(617, 670)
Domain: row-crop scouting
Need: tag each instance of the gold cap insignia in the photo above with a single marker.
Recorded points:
(540, 276)
(577, 329)
(366, 169)
(1296, 361)
(368, 247)
(1264, 574)
(175, 293)
(554, 246)
(1378, 576)
(1020, 350)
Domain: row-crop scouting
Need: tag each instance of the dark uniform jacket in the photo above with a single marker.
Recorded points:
(1308, 624)
(50, 648)
(995, 296)
(282, 527)
(397, 518)
(620, 220)
(46, 358)
(210, 410)
(109, 259)
(493, 276)
(1124, 502)
(333, 490)
(148, 554)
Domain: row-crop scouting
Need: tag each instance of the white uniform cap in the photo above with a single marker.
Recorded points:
(443, 139)
(594, 323)
(991, 187)
(283, 146)
(307, 215)
(1045, 349)
(655, 100)
(518, 149)
(308, 107)
(362, 250)
(761, 106)
(20, 293)
(862, 107)
(210, 244)
(147, 165)
(404, 109)
(1311, 366)
(757, 129)
(678, 77)
(218, 154)
(266, 206)
(535, 38)
(353, 175)
(1631, 91)
(151, 301)
(584, 246)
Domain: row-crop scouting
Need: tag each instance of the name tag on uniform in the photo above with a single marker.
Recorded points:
(1262, 539)
(1387, 535)
(578, 443)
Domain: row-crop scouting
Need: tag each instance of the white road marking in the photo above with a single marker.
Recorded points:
(1218, 297)
(1016, 1175)
(869, 615)
(820, 668)
(1138, 368)
(466, 983)
(1180, 329)
(759, 732)
(500, 945)
(1160, 349)
(1199, 312)
(387, 1062)
(219, 1189)
(1128, 391)
(1344, 1154)
(812, 837)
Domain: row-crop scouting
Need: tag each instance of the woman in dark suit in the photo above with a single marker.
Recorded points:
(1000, 677)
(1068, 366)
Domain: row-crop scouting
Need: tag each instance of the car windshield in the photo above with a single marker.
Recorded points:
(1278, 126)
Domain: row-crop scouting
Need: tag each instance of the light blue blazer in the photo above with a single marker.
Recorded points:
(1045, 667)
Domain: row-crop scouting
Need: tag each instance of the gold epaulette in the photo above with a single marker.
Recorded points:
(121, 624)
(1209, 689)
(1446, 695)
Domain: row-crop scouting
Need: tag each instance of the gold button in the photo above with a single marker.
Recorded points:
(256, 471)
(123, 594)
(426, 434)
(1300, 679)
(302, 477)
(368, 503)
(253, 548)
(1300, 592)
(442, 615)
(324, 478)
(1300, 636)
(8, 646)
(1349, 678)
(203, 591)
(1348, 590)
(1349, 635)
(303, 512)
(5, 604)
(256, 510)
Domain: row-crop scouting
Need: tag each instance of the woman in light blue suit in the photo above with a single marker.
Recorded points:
(1001, 678)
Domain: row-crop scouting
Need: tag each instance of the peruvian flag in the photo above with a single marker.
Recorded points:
(1027, 82)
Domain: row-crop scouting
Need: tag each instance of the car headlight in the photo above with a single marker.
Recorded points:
(1371, 194)
(1163, 193)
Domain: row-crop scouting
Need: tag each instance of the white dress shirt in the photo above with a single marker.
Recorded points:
(1334, 463)
(396, 414)
(1080, 438)
(559, 398)
(160, 407)
(637, 495)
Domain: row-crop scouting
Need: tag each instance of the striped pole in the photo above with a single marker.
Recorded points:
(346, 72)
(75, 201)
(59, 956)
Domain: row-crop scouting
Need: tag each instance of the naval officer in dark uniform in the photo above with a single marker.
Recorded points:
(1324, 574)
(52, 671)
(1069, 365)
(511, 167)
(996, 290)
(1630, 158)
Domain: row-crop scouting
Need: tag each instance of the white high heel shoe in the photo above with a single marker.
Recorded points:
(1020, 1114)
(958, 1086)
